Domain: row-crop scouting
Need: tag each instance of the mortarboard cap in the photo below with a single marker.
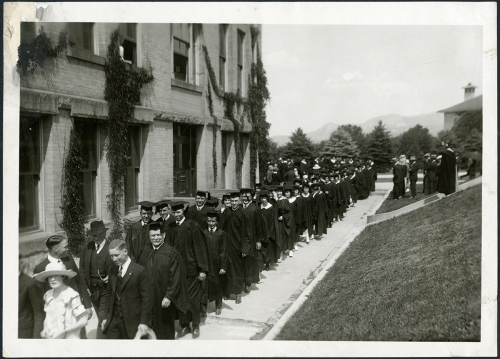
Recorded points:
(146, 205)
(201, 193)
(177, 205)
(263, 194)
(226, 196)
(235, 194)
(212, 213)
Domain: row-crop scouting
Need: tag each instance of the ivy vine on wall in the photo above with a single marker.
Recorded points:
(33, 55)
(231, 100)
(258, 96)
(214, 143)
(72, 204)
(122, 93)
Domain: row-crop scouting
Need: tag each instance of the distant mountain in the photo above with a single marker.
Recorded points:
(396, 124)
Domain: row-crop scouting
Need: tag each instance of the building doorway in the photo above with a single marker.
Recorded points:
(184, 160)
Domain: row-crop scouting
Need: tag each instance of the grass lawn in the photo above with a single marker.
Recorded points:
(391, 204)
(416, 277)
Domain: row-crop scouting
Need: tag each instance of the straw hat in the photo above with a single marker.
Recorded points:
(54, 269)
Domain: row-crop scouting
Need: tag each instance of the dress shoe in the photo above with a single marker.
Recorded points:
(203, 314)
(238, 299)
(267, 266)
(226, 297)
(196, 333)
(218, 311)
(185, 330)
(247, 289)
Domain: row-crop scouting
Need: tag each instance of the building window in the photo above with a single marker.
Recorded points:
(222, 55)
(29, 173)
(81, 35)
(129, 33)
(185, 52)
(241, 39)
(88, 173)
(133, 168)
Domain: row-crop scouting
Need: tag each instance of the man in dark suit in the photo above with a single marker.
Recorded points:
(58, 252)
(413, 176)
(127, 301)
(30, 323)
(94, 265)
(163, 208)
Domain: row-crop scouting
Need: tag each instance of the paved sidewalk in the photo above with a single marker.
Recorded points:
(281, 285)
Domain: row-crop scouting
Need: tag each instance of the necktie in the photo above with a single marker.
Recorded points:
(120, 271)
(178, 223)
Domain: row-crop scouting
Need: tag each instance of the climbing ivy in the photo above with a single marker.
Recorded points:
(258, 97)
(214, 143)
(73, 205)
(33, 55)
(230, 100)
(122, 93)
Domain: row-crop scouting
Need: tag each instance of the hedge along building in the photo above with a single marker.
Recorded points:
(170, 136)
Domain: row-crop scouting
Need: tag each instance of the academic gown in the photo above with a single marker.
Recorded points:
(448, 173)
(321, 213)
(189, 241)
(217, 245)
(234, 223)
(307, 213)
(272, 250)
(164, 223)
(199, 216)
(286, 227)
(297, 214)
(137, 238)
(332, 199)
(258, 233)
(168, 280)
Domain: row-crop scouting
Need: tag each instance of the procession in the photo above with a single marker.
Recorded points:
(169, 268)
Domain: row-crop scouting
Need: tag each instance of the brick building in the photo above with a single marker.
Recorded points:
(170, 137)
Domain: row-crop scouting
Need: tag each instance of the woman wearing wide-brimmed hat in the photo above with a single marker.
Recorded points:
(64, 313)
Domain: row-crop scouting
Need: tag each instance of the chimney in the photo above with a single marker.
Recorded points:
(469, 91)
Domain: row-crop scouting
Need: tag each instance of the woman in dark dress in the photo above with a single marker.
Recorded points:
(307, 225)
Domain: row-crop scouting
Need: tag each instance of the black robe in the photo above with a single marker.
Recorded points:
(234, 223)
(217, 245)
(189, 241)
(258, 233)
(320, 213)
(272, 250)
(307, 214)
(137, 238)
(447, 173)
(286, 226)
(199, 216)
(164, 223)
(168, 280)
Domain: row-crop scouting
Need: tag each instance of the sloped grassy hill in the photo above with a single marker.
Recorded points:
(416, 277)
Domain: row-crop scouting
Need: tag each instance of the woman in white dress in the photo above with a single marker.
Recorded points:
(64, 312)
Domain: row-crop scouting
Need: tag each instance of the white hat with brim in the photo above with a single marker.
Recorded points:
(54, 269)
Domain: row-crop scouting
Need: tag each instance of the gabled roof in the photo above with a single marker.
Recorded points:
(474, 104)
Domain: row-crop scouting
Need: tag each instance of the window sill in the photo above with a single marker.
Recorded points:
(186, 85)
(85, 55)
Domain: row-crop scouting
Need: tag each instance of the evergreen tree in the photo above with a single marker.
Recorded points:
(356, 133)
(416, 141)
(299, 147)
(380, 147)
(340, 144)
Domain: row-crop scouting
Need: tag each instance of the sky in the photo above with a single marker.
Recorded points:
(347, 74)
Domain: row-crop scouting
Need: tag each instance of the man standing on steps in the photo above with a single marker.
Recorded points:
(137, 235)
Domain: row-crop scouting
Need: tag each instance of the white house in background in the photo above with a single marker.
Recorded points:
(470, 104)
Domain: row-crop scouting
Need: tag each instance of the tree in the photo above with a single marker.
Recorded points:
(468, 131)
(416, 141)
(299, 147)
(356, 133)
(340, 143)
(380, 147)
(272, 149)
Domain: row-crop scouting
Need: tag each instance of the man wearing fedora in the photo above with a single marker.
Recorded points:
(94, 266)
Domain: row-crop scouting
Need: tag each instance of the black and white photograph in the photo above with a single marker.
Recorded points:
(250, 179)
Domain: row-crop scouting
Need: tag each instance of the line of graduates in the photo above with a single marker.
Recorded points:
(170, 268)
